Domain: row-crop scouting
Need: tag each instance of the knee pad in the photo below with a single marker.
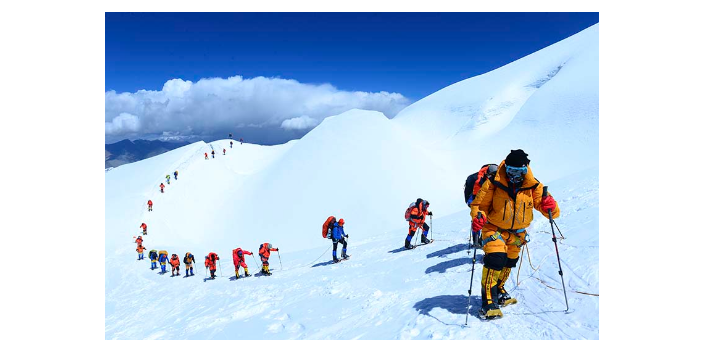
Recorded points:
(511, 263)
(495, 261)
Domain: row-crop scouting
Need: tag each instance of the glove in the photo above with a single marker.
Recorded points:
(478, 222)
(430, 213)
(549, 204)
(347, 236)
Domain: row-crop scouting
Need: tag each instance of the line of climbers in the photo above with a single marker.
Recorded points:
(211, 259)
(501, 210)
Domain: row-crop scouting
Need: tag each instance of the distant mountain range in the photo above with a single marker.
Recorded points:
(126, 151)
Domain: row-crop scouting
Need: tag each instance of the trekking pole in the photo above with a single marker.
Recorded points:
(219, 265)
(281, 265)
(554, 240)
(431, 228)
(471, 280)
(255, 263)
(416, 242)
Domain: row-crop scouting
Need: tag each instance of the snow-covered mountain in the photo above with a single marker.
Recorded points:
(363, 167)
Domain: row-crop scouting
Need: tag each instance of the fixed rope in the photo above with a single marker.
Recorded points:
(525, 248)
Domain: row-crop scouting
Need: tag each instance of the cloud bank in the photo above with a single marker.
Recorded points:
(210, 106)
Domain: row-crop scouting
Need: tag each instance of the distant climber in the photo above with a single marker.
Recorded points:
(149, 205)
(144, 229)
(265, 250)
(140, 251)
(238, 259)
(189, 260)
(230, 136)
(416, 214)
(223, 151)
(168, 179)
(163, 259)
(176, 175)
(206, 155)
(339, 236)
(241, 141)
(175, 264)
(153, 257)
(213, 152)
(230, 144)
(162, 187)
(211, 263)
(139, 240)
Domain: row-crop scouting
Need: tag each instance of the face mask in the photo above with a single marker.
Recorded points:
(515, 174)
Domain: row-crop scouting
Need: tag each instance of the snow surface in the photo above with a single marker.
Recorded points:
(363, 167)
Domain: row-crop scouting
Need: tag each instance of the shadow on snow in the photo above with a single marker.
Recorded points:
(449, 250)
(454, 304)
(444, 266)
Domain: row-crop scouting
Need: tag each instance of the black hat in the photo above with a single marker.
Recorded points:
(517, 158)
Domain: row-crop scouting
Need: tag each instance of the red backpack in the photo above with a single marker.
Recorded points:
(327, 225)
(408, 211)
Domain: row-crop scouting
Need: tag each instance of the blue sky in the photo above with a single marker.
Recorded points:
(414, 54)
(410, 54)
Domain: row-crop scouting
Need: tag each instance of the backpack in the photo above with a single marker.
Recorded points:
(476, 180)
(188, 258)
(409, 209)
(327, 226)
(213, 257)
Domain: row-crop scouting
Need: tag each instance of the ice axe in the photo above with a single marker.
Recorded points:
(554, 240)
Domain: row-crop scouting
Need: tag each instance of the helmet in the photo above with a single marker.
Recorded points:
(491, 169)
(239, 252)
(341, 221)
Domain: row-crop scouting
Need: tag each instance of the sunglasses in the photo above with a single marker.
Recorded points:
(516, 171)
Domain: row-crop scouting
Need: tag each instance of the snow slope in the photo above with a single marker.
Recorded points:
(366, 168)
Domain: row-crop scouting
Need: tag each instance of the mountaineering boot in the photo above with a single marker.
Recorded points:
(424, 239)
(191, 271)
(344, 254)
(505, 299)
(407, 245)
(246, 273)
(490, 311)
(335, 260)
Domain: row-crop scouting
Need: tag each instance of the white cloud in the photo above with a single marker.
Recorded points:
(299, 123)
(213, 105)
(124, 123)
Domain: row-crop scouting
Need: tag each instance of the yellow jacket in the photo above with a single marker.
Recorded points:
(505, 212)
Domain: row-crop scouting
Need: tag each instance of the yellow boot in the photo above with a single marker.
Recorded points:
(504, 299)
(489, 308)
(246, 273)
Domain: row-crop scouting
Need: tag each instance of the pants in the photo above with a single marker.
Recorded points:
(163, 268)
(177, 268)
(153, 264)
(334, 247)
(500, 256)
(175, 177)
(412, 227)
(140, 256)
(212, 273)
(150, 208)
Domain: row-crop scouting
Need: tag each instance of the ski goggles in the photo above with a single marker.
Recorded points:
(513, 171)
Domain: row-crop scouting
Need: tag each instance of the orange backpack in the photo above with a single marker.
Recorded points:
(409, 209)
(327, 225)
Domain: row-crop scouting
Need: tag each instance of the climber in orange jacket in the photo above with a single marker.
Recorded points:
(211, 263)
(238, 259)
(162, 187)
(175, 264)
(149, 205)
(265, 250)
(418, 214)
(144, 229)
(502, 210)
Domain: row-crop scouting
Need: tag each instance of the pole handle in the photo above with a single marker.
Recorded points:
(545, 191)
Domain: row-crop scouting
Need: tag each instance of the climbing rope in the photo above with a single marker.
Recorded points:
(316, 259)
(525, 248)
